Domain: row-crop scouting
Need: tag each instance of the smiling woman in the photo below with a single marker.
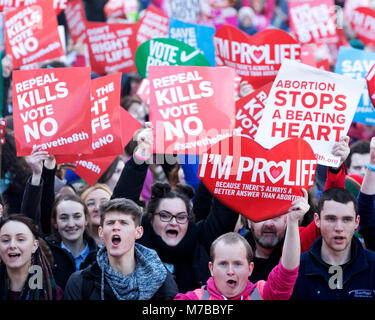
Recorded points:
(25, 273)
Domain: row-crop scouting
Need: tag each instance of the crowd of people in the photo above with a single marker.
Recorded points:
(148, 231)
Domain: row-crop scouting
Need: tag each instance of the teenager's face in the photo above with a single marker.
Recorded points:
(358, 163)
(230, 269)
(270, 232)
(171, 232)
(17, 244)
(93, 201)
(119, 233)
(337, 224)
(70, 221)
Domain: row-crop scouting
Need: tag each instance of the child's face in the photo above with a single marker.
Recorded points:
(258, 5)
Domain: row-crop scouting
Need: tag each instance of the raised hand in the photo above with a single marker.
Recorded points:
(341, 149)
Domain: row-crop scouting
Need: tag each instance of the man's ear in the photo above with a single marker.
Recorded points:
(100, 232)
(210, 266)
(317, 220)
(139, 232)
(251, 268)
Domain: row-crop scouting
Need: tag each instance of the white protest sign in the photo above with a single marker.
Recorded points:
(309, 103)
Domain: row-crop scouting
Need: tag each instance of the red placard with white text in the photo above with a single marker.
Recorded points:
(31, 34)
(10, 5)
(76, 20)
(313, 21)
(249, 110)
(153, 24)
(51, 109)
(114, 9)
(256, 58)
(111, 47)
(191, 107)
(255, 182)
(91, 170)
(363, 24)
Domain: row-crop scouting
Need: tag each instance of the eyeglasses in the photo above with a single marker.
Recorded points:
(166, 216)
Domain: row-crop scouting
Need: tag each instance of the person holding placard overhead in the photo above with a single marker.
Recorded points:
(168, 223)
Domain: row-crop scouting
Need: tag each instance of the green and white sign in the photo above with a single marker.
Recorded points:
(167, 52)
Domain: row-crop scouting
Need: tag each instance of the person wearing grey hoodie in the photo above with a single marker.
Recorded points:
(123, 270)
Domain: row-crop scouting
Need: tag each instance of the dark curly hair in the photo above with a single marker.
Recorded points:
(161, 191)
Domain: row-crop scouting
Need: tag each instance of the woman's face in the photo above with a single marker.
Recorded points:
(138, 111)
(171, 232)
(70, 221)
(17, 244)
(93, 201)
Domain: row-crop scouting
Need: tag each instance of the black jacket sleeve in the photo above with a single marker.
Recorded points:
(48, 198)
(220, 220)
(168, 290)
(366, 212)
(31, 199)
(202, 202)
(131, 181)
(73, 288)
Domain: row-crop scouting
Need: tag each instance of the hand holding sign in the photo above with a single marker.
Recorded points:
(145, 141)
(341, 149)
(299, 207)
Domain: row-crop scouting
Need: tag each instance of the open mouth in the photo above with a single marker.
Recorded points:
(339, 239)
(232, 283)
(14, 255)
(116, 240)
(172, 233)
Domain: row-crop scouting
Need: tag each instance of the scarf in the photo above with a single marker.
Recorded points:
(142, 284)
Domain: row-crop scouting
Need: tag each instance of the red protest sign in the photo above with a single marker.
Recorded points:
(129, 126)
(111, 47)
(10, 5)
(91, 170)
(191, 107)
(143, 91)
(31, 34)
(153, 24)
(363, 24)
(370, 80)
(105, 116)
(249, 110)
(114, 9)
(313, 21)
(255, 182)
(51, 109)
(257, 58)
(76, 18)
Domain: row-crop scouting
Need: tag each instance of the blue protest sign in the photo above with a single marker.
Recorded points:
(197, 36)
(355, 64)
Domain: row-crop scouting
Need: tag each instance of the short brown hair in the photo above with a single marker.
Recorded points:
(125, 206)
(232, 238)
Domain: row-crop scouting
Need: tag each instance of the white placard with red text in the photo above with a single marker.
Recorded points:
(312, 104)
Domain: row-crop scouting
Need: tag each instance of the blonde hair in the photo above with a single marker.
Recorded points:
(96, 186)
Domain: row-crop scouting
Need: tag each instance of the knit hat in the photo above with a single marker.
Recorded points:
(245, 11)
(353, 183)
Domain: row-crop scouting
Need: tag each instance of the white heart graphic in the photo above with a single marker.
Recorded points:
(260, 58)
(271, 164)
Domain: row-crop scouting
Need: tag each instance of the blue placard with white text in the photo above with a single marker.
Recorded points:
(356, 63)
(197, 36)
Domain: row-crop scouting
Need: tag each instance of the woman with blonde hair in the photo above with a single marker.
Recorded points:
(93, 196)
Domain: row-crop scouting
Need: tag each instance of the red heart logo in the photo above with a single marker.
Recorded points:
(255, 58)
(255, 182)
(275, 172)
